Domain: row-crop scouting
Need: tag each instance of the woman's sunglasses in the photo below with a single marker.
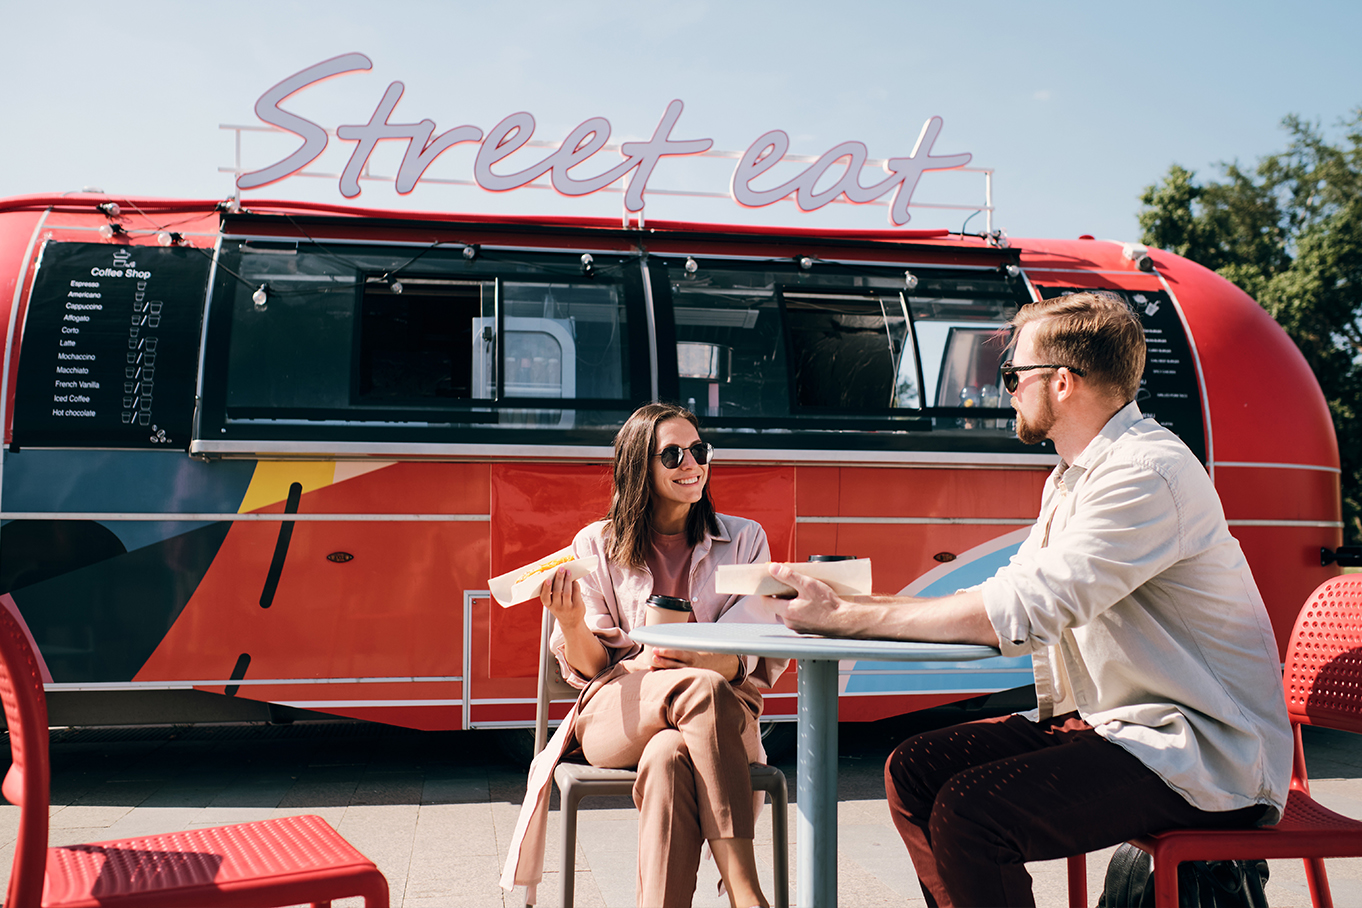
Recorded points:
(672, 455)
(1009, 371)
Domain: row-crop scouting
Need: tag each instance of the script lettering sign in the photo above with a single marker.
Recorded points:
(639, 160)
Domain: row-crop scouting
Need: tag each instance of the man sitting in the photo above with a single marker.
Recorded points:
(1158, 680)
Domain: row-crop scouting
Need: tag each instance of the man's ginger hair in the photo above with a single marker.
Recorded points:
(1092, 332)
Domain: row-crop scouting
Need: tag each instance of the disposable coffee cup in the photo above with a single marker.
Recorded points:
(667, 610)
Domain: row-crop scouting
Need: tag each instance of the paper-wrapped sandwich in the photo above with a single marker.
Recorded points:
(525, 582)
(847, 578)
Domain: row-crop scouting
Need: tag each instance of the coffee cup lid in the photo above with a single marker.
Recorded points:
(673, 603)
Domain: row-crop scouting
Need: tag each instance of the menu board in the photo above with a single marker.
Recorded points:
(110, 348)
(1170, 391)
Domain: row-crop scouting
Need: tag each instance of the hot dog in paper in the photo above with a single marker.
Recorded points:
(525, 582)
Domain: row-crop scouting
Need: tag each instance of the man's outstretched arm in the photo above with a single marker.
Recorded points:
(960, 618)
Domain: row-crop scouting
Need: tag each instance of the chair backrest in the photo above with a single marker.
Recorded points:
(1323, 674)
(26, 783)
(551, 684)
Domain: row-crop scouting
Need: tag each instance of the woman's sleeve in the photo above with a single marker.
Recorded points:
(749, 610)
(601, 618)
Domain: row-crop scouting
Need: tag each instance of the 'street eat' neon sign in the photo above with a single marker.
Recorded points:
(583, 143)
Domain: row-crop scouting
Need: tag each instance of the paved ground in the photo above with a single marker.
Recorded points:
(434, 810)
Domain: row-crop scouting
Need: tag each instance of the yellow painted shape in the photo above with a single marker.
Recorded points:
(272, 478)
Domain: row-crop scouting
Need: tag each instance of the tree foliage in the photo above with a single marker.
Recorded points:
(1289, 232)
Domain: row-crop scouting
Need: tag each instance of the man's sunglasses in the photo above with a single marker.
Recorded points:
(672, 455)
(1009, 371)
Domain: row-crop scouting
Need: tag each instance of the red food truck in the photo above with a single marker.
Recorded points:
(264, 460)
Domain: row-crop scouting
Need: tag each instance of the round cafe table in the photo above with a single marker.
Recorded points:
(816, 804)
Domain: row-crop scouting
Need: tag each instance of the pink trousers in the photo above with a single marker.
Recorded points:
(692, 735)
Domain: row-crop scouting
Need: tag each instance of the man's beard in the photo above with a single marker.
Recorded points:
(1033, 433)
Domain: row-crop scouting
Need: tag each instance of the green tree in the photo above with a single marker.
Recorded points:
(1289, 232)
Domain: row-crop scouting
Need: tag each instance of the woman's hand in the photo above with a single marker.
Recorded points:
(563, 598)
(641, 663)
(723, 663)
(582, 649)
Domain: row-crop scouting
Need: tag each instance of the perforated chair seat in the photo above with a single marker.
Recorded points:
(1306, 824)
(285, 861)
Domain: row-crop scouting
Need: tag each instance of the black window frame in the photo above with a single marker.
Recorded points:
(448, 420)
(963, 283)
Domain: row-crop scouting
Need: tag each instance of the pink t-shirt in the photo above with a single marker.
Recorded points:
(668, 560)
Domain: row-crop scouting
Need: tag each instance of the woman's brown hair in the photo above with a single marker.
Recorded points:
(629, 522)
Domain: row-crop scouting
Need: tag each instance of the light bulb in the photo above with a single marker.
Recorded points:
(106, 231)
(164, 238)
(691, 265)
(910, 280)
(395, 286)
(470, 252)
(805, 262)
(260, 297)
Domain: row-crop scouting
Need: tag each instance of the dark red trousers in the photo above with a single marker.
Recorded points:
(975, 802)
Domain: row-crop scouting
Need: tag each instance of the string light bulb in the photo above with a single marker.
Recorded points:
(588, 264)
(691, 265)
(805, 263)
(395, 286)
(470, 252)
(261, 298)
(910, 280)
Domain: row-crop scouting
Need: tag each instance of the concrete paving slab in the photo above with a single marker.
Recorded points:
(80, 815)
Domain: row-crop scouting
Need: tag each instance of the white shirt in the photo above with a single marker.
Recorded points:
(1140, 612)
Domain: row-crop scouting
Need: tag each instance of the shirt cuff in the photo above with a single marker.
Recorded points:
(1007, 617)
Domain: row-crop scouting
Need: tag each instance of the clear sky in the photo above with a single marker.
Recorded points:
(1075, 106)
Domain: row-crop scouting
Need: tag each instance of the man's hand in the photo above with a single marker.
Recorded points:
(817, 609)
(960, 618)
(726, 665)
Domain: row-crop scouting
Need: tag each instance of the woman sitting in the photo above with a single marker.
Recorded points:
(687, 720)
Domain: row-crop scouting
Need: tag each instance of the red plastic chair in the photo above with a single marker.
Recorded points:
(1323, 681)
(288, 861)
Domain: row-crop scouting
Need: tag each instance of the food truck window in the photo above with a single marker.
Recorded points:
(851, 351)
(730, 352)
(962, 334)
(565, 340)
(773, 341)
(354, 335)
(417, 345)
